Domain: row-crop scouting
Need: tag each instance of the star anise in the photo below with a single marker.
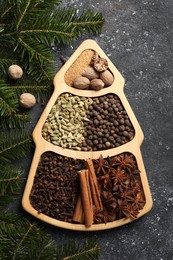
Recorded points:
(119, 209)
(109, 202)
(100, 165)
(127, 195)
(139, 201)
(136, 185)
(121, 188)
(118, 176)
(98, 217)
(117, 189)
(103, 217)
(124, 160)
(105, 181)
(130, 211)
(108, 217)
(133, 173)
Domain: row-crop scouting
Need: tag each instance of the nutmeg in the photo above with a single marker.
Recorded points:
(27, 100)
(90, 73)
(96, 84)
(107, 77)
(15, 72)
(101, 64)
(81, 82)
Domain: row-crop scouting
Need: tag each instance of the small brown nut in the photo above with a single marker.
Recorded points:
(101, 64)
(107, 77)
(96, 84)
(90, 73)
(27, 100)
(81, 82)
(15, 71)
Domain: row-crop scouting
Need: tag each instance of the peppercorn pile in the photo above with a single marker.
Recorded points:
(108, 126)
(56, 187)
(88, 124)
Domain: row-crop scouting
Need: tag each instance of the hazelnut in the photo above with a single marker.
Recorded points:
(81, 82)
(96, 84)
(15, 71)
(27, 100)
(107, 77)
(101, 64)
(90, 73)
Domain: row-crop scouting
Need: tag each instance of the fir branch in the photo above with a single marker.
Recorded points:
(49, 36)
(47, 4)
(5, 63)
(14, 120)
(63, 25)
(9, 104)
(35, 25)
(5, 108)
(8, 101)
(6, 9)
(52, 28)
(37, 58)
(46, 25)
(37, 90)
(73, 251)
(90, 21)
(34, 50)
(41, 73)
(7, 222)
(10, 180)
(22, 10)
(23, 239)
(14, 146)
(40, 7)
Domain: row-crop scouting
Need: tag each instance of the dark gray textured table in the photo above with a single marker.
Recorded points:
(138, 39)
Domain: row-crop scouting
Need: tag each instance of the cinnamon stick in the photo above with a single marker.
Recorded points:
(78, 215)
(94, 186)
(86, 197)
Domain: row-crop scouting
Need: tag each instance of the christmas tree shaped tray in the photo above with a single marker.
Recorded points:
(87, 122)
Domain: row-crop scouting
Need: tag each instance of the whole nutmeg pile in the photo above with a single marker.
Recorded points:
(96, 76)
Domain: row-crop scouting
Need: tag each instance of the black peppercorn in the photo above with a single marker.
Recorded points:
(96, 122)
(107, 144)
(95, 141)
(125, 133)
(121, 127)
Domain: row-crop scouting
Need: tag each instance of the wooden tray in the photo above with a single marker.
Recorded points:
(42, 145)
